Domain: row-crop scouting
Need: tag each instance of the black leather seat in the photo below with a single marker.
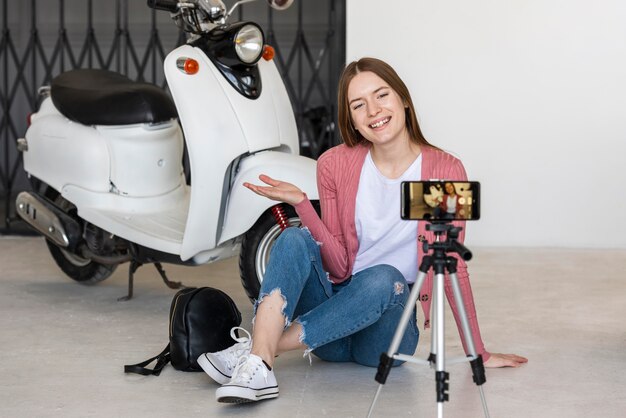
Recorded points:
(99, 97)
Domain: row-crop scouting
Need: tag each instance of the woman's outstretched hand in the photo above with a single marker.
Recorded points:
(505, 360)
(277, 190)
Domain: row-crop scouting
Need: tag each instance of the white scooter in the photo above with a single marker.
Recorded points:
(104, 155)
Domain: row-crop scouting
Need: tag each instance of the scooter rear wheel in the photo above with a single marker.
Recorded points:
(256, 246)
(82, 270)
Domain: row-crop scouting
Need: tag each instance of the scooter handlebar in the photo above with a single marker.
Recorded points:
(167, 5)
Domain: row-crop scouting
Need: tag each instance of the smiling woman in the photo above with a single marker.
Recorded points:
(337, 287)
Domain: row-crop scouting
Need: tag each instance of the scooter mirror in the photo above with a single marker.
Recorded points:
(280, 4)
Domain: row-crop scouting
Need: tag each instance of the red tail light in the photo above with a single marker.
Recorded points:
(29, 119)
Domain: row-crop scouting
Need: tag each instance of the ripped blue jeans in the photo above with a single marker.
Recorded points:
(351, 321)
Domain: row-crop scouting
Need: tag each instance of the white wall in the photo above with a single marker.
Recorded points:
(530, 94)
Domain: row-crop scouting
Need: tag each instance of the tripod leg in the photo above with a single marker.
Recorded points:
(433, 328)
(439, 323)
(441, 376)
(386, 359)
(478, 369)
(460, 303)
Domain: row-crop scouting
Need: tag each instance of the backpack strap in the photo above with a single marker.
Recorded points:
(140, 368)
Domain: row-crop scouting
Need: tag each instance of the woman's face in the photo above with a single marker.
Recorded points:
(449, 188)
(377, 111)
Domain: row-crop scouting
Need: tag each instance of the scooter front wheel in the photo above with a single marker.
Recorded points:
(257, 244)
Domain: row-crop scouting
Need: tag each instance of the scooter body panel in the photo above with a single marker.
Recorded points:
(282, 110)
(290, 168)
(138, 160)
(126, 179)
(223, 126)
(61, 151)
(146, 160)
(156, 222)
(214, 138)
(267, 122)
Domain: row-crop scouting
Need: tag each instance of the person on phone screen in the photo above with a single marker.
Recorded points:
(450, 202)
(337, 287)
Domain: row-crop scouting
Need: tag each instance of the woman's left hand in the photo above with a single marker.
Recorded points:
(505, 360)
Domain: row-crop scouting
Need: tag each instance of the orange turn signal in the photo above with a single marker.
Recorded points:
(187, 65)
(191, 66)
(268, 52)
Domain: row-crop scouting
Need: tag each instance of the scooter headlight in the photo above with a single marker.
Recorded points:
(234, 45)
(249, 44)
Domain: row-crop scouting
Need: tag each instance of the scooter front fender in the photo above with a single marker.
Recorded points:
(245, 207)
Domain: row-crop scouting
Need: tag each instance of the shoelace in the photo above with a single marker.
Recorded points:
(238, 349)
(246, 369)
(246, 339)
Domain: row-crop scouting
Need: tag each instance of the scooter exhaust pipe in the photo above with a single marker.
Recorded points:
(53, 223)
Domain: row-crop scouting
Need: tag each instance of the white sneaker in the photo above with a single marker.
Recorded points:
(252, 381)
(220, 365)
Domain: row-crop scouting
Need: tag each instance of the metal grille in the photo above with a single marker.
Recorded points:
(42, 38)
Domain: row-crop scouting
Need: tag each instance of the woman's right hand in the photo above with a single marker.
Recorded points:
(277, 190)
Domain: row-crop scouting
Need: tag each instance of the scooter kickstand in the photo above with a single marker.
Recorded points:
(168, 282)
(134, 265)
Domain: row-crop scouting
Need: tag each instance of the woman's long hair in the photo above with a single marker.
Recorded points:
(349, 134)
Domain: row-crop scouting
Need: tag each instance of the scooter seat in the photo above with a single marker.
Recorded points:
(99, 97)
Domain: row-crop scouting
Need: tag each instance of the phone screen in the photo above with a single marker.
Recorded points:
(440, 200)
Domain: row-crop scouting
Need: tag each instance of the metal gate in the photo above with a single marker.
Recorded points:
(42, 38)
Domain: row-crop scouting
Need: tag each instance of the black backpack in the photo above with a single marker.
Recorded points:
(200, 322)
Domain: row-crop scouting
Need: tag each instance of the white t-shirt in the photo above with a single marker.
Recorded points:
(383, 237)
(450, 204)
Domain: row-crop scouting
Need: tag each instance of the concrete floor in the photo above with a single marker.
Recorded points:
(64, 345)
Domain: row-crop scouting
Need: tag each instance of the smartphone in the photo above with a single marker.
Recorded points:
(445, 200)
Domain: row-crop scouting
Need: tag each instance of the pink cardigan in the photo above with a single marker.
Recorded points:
(338, 174)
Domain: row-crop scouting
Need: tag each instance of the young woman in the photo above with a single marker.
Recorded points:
(450, 203)
(337, 287)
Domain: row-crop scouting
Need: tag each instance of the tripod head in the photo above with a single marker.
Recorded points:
(450, 244)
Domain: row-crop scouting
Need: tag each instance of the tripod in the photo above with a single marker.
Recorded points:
(440, 261)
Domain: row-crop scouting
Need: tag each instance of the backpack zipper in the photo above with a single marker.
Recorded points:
(172, 316)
